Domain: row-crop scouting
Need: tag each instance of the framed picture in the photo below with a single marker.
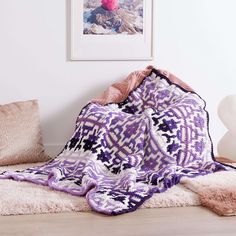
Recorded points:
(111, 30)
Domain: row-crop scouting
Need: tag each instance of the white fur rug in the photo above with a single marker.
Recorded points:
(27, 198)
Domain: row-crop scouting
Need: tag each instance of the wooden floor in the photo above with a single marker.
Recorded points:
(169, 221)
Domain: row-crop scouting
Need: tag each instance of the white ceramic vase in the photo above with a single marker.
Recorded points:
(227, 114)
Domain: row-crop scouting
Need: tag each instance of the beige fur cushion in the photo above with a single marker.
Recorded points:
(20, 135)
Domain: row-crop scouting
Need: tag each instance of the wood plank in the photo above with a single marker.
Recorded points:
(181, 221)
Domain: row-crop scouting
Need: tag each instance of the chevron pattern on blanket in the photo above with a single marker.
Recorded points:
(122, 153)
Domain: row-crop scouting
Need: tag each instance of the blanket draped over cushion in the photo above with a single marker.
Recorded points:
(140, 137)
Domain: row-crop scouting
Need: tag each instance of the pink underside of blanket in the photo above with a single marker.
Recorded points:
(216, 191)
(221, 200)
(119, 91)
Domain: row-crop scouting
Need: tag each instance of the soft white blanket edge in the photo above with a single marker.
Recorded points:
(27, 198)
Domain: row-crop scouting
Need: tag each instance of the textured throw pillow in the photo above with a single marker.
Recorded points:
(20, 135)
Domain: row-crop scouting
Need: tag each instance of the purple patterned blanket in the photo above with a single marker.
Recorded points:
(122, 153)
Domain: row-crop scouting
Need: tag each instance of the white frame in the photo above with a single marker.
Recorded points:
(110, 47)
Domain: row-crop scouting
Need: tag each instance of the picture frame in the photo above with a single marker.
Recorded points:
(111, 46)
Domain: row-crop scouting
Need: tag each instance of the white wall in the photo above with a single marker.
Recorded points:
(195, 40)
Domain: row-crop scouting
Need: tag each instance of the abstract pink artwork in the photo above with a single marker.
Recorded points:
(109, 17)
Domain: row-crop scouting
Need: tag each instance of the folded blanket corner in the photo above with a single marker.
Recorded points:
(222, 200)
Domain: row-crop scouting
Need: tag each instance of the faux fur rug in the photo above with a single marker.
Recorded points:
(27, 198)
(216, 191)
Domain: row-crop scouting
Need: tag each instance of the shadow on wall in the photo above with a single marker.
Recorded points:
(68, 30)
(60, 126)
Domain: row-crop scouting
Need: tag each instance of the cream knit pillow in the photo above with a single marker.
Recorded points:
(20, 134)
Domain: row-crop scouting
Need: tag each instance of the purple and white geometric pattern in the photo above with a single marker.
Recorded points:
(120, 154)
